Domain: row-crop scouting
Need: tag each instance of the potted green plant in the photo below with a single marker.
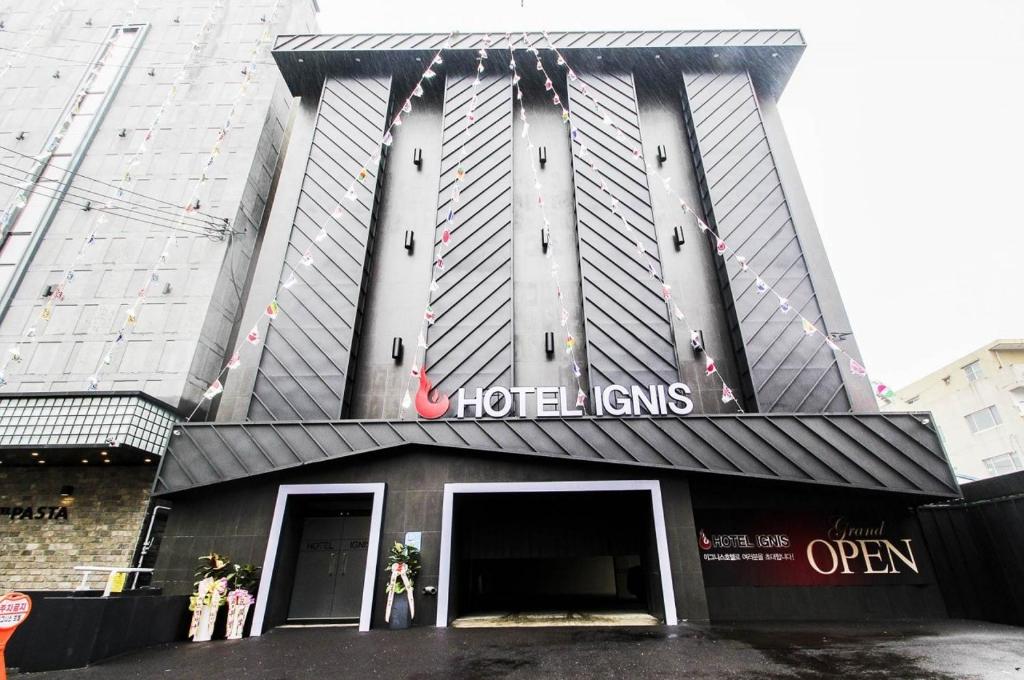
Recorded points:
(403, 565)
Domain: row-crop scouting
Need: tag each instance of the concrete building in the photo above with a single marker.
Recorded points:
(978, 404)
(655, 497)
(109, 112)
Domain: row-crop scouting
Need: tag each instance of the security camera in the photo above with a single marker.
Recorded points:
(430, 590)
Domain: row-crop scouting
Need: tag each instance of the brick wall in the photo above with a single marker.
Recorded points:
(102, 526)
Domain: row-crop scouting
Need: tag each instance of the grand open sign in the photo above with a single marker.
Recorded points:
(772, 548)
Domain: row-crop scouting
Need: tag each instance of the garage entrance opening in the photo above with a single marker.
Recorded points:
(544, 558)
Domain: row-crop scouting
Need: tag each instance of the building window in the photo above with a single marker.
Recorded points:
(973, 371)
(1007, 462)
(985, 419)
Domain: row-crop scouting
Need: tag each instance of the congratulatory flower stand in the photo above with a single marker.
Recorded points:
(402, 567)
(219, 580)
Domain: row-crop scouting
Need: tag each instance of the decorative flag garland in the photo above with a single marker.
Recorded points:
(126, 180)
(387, 138)
(292, 281)
(248, 74)
(761, 287)
(614, 205)
(721, 247)
(445, 244)
(563, 312)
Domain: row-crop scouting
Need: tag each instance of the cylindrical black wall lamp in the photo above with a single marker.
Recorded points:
(549, 344)
(409, 240)
(678, 237)
(397, 349)
(417, 157)
(662, 153)
(542, 154)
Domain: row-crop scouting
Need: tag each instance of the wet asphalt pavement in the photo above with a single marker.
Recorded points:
(929, 650)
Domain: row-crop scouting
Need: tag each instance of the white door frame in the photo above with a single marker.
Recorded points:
(283, 493)
(650, 485)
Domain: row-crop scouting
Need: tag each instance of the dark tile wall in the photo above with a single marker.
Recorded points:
(235, 518)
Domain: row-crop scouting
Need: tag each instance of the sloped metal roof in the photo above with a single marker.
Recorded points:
(769, 54)
(881, 452)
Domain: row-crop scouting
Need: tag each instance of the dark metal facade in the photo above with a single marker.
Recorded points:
(306, 360)
(307, 369)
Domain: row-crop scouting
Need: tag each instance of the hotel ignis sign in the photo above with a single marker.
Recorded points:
(554, 402)
(769, 548)
(559, 402)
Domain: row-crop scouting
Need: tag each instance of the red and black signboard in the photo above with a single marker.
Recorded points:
(772, 548)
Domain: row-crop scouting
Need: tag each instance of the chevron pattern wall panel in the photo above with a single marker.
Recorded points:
(470, 344)
(629, 334)
(305, 362)
(744, 199)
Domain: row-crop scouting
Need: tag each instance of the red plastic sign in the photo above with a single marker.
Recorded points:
(14, 609)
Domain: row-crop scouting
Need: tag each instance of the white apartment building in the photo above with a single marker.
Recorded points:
(978, 405)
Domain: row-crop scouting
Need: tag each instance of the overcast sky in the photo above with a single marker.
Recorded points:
(906, 121)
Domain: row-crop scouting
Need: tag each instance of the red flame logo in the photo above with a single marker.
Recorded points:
(705, 544)
(430, 403)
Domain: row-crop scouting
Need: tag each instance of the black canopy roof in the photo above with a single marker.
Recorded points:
(880, 452)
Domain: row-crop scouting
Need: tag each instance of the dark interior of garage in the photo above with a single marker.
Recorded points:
(554, 552)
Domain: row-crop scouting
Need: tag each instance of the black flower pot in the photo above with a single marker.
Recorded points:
(400, 612)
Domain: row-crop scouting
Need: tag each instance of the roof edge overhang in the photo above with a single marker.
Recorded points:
(895, 453)
(770, 55)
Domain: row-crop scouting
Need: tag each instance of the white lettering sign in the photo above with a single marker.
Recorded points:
(559, 402)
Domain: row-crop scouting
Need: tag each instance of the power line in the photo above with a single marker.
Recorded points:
(93, 203)
(99, 199)
(109, 184)
(126, 213)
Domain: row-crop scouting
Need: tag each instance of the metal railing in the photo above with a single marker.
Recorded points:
(111, 572)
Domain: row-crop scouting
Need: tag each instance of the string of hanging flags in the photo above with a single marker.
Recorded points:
(563, 311)
(586, 159)
(292, 280)
(444, 244)
(879, 389)
(762, 287)
(360, 176)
